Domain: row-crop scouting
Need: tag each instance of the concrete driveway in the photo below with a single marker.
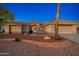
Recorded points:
(73, 37)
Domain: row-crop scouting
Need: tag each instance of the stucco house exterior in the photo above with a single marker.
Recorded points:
(16, 27)
(41, 27)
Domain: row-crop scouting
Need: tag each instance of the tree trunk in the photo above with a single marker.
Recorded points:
(10, 29)
(0, 27)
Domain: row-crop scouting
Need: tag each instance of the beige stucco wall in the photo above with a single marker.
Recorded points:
(75, 28)
(6, 27)
(49, 29)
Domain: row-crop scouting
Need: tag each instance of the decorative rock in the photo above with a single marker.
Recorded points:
(46, 38)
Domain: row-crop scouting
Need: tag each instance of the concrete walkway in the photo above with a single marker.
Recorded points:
(73, 37)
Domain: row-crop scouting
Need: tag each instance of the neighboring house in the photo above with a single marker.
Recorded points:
(41, 27)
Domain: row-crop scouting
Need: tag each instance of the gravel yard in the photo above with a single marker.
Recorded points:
(24, 48)
(21, 48)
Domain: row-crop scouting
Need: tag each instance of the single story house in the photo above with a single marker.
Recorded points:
(41, 27)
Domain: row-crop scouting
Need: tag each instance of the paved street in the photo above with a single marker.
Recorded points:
(73, 37)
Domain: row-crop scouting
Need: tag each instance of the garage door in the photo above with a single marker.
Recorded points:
(15, 29)
(66, 29)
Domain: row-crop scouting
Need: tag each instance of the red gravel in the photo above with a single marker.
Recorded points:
(27, 49)
(30, 37)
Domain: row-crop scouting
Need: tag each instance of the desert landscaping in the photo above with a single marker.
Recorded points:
(27, 46)
(22, 35)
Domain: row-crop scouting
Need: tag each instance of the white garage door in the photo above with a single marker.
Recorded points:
(66, 29)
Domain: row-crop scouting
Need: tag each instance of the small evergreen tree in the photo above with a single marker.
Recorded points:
(5, 15)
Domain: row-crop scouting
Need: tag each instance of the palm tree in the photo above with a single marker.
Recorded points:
(57, 22)
(5, 16)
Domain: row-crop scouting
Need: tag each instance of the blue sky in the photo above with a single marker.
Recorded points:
(42, 12)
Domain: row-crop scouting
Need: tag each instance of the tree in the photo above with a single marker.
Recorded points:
(57, 22)
(5, 16)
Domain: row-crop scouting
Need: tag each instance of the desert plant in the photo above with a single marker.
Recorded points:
(17, 40)
(5, 15)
